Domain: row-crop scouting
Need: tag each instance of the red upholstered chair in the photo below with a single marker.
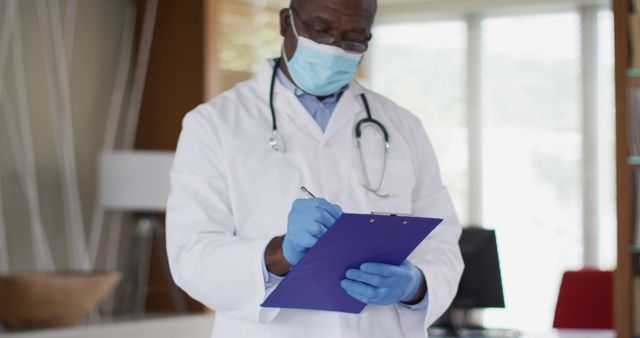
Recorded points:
(585, 300)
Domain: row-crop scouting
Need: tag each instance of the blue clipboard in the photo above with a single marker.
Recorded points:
(314, 283)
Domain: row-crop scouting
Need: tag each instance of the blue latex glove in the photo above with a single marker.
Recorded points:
(309, 219)
(383, 284)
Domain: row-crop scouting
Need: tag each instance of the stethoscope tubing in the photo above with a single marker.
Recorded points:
(277, 144)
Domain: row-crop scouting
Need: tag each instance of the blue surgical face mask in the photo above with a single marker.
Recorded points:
(318, 69)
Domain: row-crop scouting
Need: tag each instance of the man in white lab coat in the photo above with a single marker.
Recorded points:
(237, 220)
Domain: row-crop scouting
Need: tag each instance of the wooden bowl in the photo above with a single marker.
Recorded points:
(41, 300)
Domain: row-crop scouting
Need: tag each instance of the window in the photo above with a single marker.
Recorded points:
(249, 32)
(532, 196)
(437, 52)
(507, 100)
(607, 141)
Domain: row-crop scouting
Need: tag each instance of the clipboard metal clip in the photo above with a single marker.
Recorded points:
(380, 213)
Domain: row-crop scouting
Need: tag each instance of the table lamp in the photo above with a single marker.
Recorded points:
(138, 181)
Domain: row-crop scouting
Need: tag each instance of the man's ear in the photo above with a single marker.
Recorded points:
(285, 21)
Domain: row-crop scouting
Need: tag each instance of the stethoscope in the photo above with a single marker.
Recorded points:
(277, 144)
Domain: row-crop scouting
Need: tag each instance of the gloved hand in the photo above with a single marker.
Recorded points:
(308, 220)
(383, 284)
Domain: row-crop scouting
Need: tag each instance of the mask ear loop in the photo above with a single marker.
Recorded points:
(295, 32)
(293, 23)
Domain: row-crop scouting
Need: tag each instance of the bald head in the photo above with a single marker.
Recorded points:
(361, 6)
(344, 20)
(363, 11)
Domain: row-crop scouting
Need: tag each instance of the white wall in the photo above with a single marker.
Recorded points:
(97, 41)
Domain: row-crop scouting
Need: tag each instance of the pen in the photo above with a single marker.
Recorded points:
(306, 191)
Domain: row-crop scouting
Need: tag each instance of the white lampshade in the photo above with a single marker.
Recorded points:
(134, 180)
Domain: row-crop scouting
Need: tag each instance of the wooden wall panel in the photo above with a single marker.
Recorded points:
(175, 84)
(175, 78)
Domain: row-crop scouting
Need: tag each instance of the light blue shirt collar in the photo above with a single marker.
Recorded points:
(320, 110)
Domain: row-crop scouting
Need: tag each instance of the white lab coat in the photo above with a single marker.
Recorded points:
(231, 194)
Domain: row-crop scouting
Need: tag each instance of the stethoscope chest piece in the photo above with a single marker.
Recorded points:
(276, 142)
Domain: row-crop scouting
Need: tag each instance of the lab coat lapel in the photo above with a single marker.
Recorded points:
(348, 107)
(298, 114)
